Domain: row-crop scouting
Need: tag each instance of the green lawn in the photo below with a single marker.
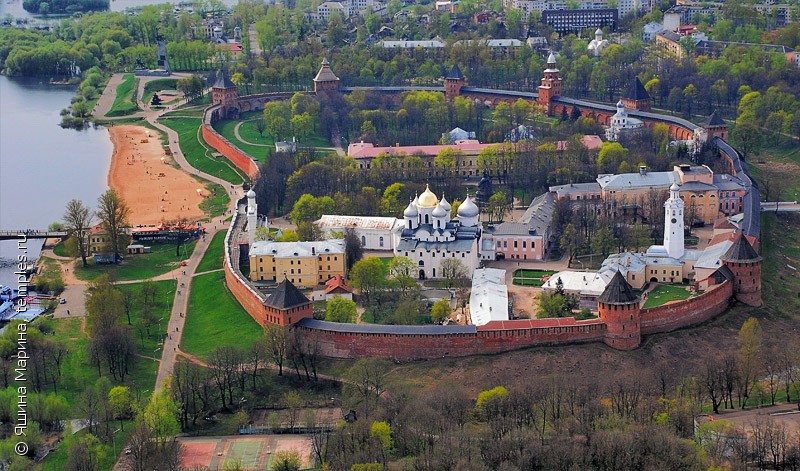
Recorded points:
(61, 250)
(57, 460)
(139, 266)
(213, 258)
(197, 152)
(526, 273)
(663, 294)
(528, 282)
(226, 129)
(215, 318)
(147, 342)
(125, 101)
(77, 373)
(217, 202)
(158, 85)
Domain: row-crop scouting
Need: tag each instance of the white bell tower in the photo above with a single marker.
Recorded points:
(252, 217)
(673, 223)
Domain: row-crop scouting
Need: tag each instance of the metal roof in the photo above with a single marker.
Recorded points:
(330, 221)
(618, 291)
(386, 329)
(297, 249)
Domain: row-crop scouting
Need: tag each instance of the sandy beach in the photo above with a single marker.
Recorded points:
(142, 174)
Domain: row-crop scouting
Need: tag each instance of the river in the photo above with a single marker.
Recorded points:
(14, 7)
(42, 166)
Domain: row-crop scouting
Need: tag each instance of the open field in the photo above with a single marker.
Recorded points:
(663, 294)
(139, 266)
(215, 318)
(197, 151)
(125, 101)
(213, 258)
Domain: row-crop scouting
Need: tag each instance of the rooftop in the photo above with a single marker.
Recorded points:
(286, 296)
(618, 291)
(297, 249)
(636, 91)
(328, 221)
(367, 150)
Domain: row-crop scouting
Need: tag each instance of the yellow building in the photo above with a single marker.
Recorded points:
(305, 264)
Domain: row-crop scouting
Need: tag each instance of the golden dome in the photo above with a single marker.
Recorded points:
(427, 199)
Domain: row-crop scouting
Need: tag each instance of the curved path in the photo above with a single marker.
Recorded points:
(238, 136)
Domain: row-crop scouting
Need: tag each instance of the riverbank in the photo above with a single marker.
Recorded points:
(143, 175)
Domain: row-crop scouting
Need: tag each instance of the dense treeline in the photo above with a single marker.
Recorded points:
(63, 6)
(617, 421)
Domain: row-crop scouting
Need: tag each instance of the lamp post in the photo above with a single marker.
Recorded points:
(114, 442)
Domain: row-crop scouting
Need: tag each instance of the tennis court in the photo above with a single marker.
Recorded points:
(252, 452)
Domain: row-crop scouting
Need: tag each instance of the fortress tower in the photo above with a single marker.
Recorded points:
(325, 80)
(636, 97)
(287, 305)
(551, 85)
(716, 127)
(224, 93)
(252, 217)
(673, 223)
(742, 259)
(618, 307)
(453, 83)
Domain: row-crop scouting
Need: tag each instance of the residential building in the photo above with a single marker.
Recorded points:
(305, 264)
(467, 165)
(650, 30)
(531, 236)
(573, 21)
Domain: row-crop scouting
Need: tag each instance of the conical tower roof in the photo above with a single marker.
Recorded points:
(455, 73)
(636, 91)
(223, 81)
(741, 251)
(325, 73)
(286, 296)
(618, 291)
(715, 120)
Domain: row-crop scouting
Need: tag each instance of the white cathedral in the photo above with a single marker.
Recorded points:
(621, 124)
(430, 236)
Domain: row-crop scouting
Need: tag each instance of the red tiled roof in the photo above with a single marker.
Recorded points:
(730, 236)
(337, 283)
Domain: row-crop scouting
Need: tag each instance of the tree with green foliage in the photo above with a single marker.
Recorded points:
(603, 241)
(486, 397)
(611, 155)
(160, 414)
(750, 358)
(367, 276)
(440, 311)
(310, 208)
(498, 206)
(341, 309)
(286, 460)
(122, 403)
(402, 270)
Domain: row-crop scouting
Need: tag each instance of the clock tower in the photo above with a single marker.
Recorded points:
(673, 223)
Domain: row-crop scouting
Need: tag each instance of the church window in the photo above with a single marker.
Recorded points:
(422, 263)
(363, 241)
(427, 219)
(380, 242)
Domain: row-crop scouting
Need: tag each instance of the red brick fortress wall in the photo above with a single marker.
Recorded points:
(237, 157)
(509, 335)
(677, 315)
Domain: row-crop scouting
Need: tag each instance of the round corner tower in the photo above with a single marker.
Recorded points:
(619, 309)
(745, 264)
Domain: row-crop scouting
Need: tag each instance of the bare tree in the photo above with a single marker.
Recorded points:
(113, 214)
(275, 339)
(77, 221)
